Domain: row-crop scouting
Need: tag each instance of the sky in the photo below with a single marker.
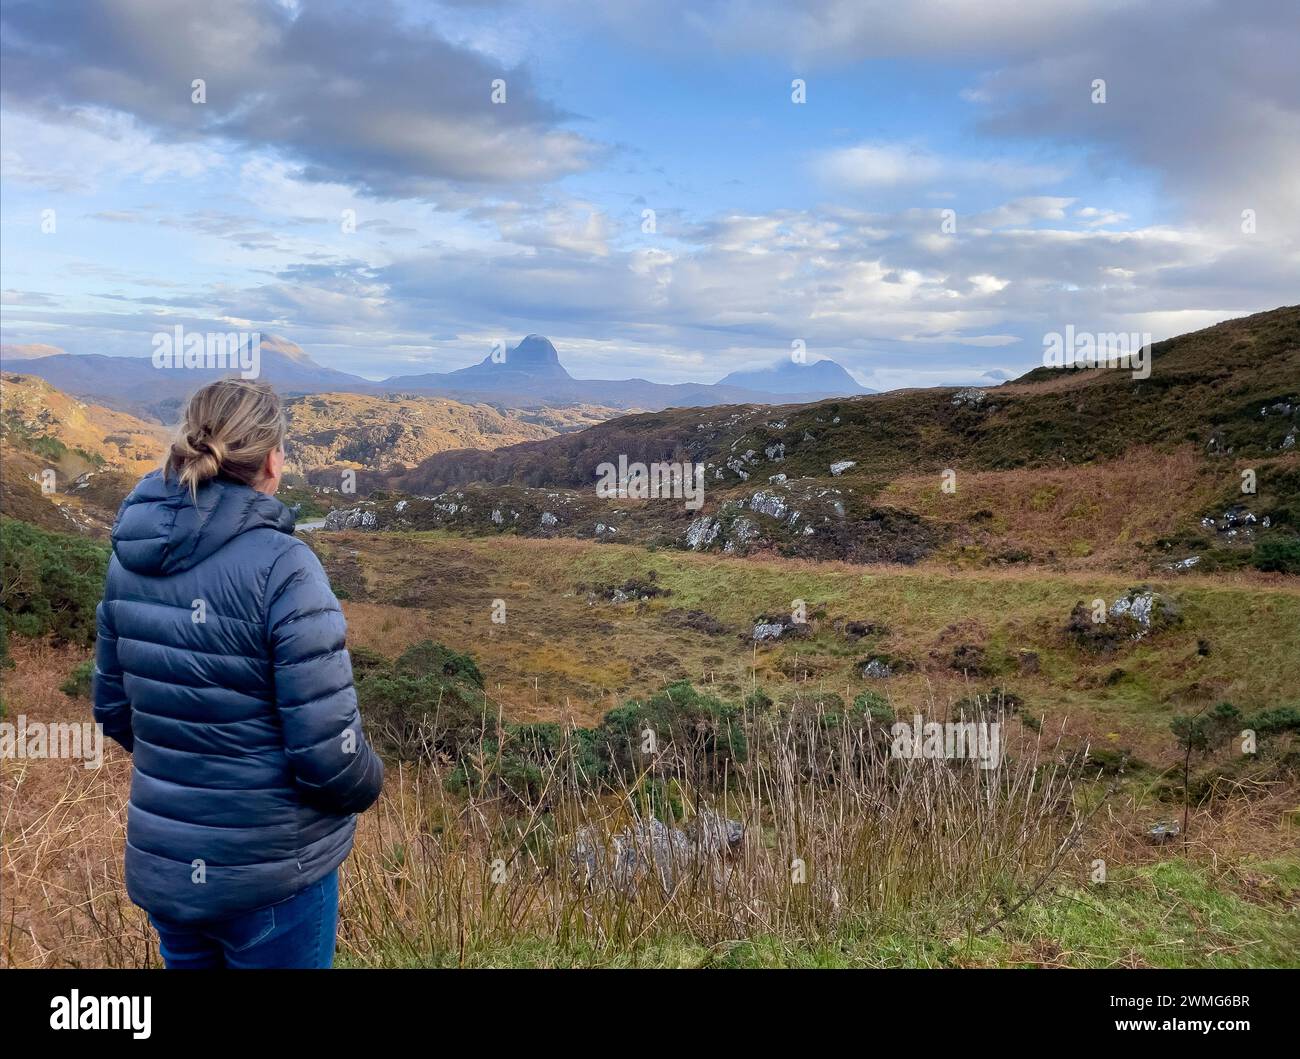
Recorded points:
(919, 189)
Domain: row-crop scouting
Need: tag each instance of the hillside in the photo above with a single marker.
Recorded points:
(338, 430)
(96, 455)
(1156, 467)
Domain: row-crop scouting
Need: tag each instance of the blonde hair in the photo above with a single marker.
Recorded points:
(229, 429)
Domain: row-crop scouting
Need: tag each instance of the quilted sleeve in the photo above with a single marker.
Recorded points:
(111, 707)
(332, 762)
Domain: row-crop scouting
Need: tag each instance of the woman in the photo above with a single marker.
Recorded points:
(221, 666)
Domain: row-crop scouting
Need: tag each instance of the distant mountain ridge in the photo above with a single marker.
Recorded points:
(824, 378)
(527, 375)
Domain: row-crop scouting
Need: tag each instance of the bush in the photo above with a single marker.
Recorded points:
(52, 583)
(78, 683)
(709, 732)
(874, 705)
(429, 701)
(1281, 554)
(1202, 733)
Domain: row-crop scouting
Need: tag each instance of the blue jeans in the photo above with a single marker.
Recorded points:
(299, 932)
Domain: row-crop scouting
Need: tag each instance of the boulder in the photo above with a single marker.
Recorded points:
(651, 852)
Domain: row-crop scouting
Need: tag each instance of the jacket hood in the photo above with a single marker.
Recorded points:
(160, 530)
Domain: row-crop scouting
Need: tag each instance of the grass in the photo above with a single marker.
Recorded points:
(542, 666)
(415, 890)
(1173, 914)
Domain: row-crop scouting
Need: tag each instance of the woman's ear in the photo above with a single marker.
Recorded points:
(272, 468)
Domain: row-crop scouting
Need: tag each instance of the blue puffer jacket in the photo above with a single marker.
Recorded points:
(220, 664)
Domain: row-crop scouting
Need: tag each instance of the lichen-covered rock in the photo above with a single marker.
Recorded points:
(702, 532)
(740, 534)
(649, 852)
(351, 518)
(768, 502)
(1139, 613)
(840, 466)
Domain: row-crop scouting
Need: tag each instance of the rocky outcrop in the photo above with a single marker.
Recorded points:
(1139, 613)
(650, 853)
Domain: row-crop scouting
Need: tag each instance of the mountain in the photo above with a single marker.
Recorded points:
(530, 375)
(331, 431)
(30, 351)
(136, 386)
(527, 375)
(533, 358)
(1060, 465)
(822, 378)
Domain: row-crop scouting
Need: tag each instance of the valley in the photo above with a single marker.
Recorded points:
(1073, 556)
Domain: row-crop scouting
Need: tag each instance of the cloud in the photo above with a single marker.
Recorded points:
(875, 165)
(352, 95)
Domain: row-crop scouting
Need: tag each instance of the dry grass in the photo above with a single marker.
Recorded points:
(1091, 516)
(561, 657)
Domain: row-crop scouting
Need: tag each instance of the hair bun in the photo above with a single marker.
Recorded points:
(200, 440)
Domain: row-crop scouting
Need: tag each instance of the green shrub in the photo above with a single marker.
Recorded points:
(52, 583)
(874, 705)
(430, 700)
(1202, 733)
(78, 683)
(1281, 554)
(709, 731)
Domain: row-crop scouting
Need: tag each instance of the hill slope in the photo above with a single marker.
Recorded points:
(336, 430)
(1079, 468)
(96, 455)
(1209, 387)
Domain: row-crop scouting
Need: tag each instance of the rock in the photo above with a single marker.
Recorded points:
(971, 398)
(652, 852)
(1139, 613)
(1163, 832)
(742, 531)
(773, 628)
(702, 532)
(713, 833)
(548, 519)
(840, 466)
(766, 502)
(1237, 521)
(351, 518)
(877, 669)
